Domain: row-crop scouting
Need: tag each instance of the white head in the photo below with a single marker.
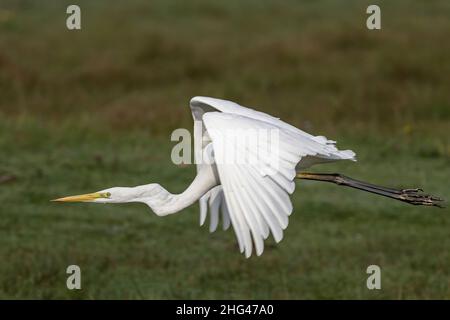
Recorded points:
(147, 193)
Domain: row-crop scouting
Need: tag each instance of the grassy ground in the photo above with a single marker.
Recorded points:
(89, 109)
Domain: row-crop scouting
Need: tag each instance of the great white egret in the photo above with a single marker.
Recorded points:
(256, 203)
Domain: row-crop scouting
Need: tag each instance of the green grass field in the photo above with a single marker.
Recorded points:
(85, 110)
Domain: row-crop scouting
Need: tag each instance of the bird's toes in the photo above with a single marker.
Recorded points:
(413, 190)
(417, 197)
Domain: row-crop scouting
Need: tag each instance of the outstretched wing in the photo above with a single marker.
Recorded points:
(317, 149)
(256, 192)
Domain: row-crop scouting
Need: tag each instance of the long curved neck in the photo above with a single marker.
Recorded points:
(166, 203)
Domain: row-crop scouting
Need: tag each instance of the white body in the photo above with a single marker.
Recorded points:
(254, 202)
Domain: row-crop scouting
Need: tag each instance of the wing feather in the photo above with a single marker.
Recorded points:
(254, 197)
(257, 200)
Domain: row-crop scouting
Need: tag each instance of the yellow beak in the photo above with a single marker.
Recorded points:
(82, 197)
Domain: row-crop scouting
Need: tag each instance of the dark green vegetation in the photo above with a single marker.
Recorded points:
(89, 109)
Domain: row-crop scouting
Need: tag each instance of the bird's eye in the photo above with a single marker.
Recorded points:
(107, 194)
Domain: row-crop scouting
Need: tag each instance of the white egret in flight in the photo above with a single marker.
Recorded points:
(254, 201)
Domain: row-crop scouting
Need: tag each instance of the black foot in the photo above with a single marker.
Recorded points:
(417, 197)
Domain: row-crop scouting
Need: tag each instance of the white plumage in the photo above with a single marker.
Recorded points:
(252, 196)
(255, 203)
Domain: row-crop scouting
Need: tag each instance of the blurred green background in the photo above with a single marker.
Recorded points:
(85, 110)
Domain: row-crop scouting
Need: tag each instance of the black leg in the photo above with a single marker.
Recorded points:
(411, 196)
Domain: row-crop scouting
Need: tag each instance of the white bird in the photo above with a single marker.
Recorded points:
(251, 196)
